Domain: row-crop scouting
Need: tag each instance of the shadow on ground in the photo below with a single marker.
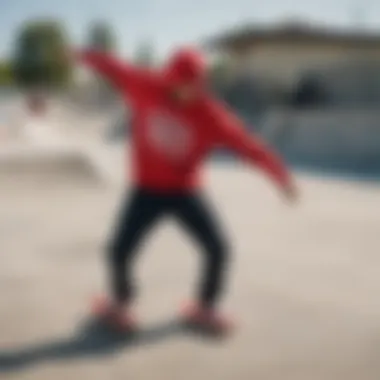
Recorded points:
(92, 339)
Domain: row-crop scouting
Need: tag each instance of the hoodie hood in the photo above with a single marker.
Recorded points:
(186, 65)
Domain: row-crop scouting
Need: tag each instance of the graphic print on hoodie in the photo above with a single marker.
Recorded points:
(170, 140)
(168, 137)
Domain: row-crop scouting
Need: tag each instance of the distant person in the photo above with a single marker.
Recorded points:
(37, 128)
(19, 122)
(310, 92)
(24, 121)
(176, 123)
(36, 104)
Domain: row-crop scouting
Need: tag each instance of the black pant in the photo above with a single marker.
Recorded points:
(141, 211)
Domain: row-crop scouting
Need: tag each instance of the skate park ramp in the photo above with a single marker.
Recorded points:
(47, 166)
(303, 286)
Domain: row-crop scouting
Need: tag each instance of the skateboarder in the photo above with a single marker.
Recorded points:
(176, 123)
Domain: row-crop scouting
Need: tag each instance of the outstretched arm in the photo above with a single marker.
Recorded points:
(121, 74)
(230, 132)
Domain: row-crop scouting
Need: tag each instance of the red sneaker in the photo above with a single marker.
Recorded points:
(116, 316)
(206, 319)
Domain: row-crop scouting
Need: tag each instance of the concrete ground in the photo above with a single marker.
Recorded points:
(304, 284)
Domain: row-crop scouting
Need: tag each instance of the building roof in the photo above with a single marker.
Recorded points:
(293, 32)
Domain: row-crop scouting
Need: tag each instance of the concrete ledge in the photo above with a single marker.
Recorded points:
(41, 164)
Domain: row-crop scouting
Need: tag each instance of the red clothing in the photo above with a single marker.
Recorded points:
(170, 140)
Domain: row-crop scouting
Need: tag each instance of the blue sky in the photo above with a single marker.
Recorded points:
(171, 22)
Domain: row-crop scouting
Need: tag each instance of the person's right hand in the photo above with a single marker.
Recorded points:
(291, 193)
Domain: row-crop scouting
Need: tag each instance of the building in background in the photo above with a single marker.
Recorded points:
(285, 51)
(324, 90)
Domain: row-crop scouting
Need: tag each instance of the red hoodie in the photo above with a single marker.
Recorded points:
(170, 140)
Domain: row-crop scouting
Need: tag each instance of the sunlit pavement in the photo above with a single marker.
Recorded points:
(304, 284)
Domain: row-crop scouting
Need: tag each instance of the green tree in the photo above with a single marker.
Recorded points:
(101, 37)
(6, 74)
(40, 54)
(217, 74)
